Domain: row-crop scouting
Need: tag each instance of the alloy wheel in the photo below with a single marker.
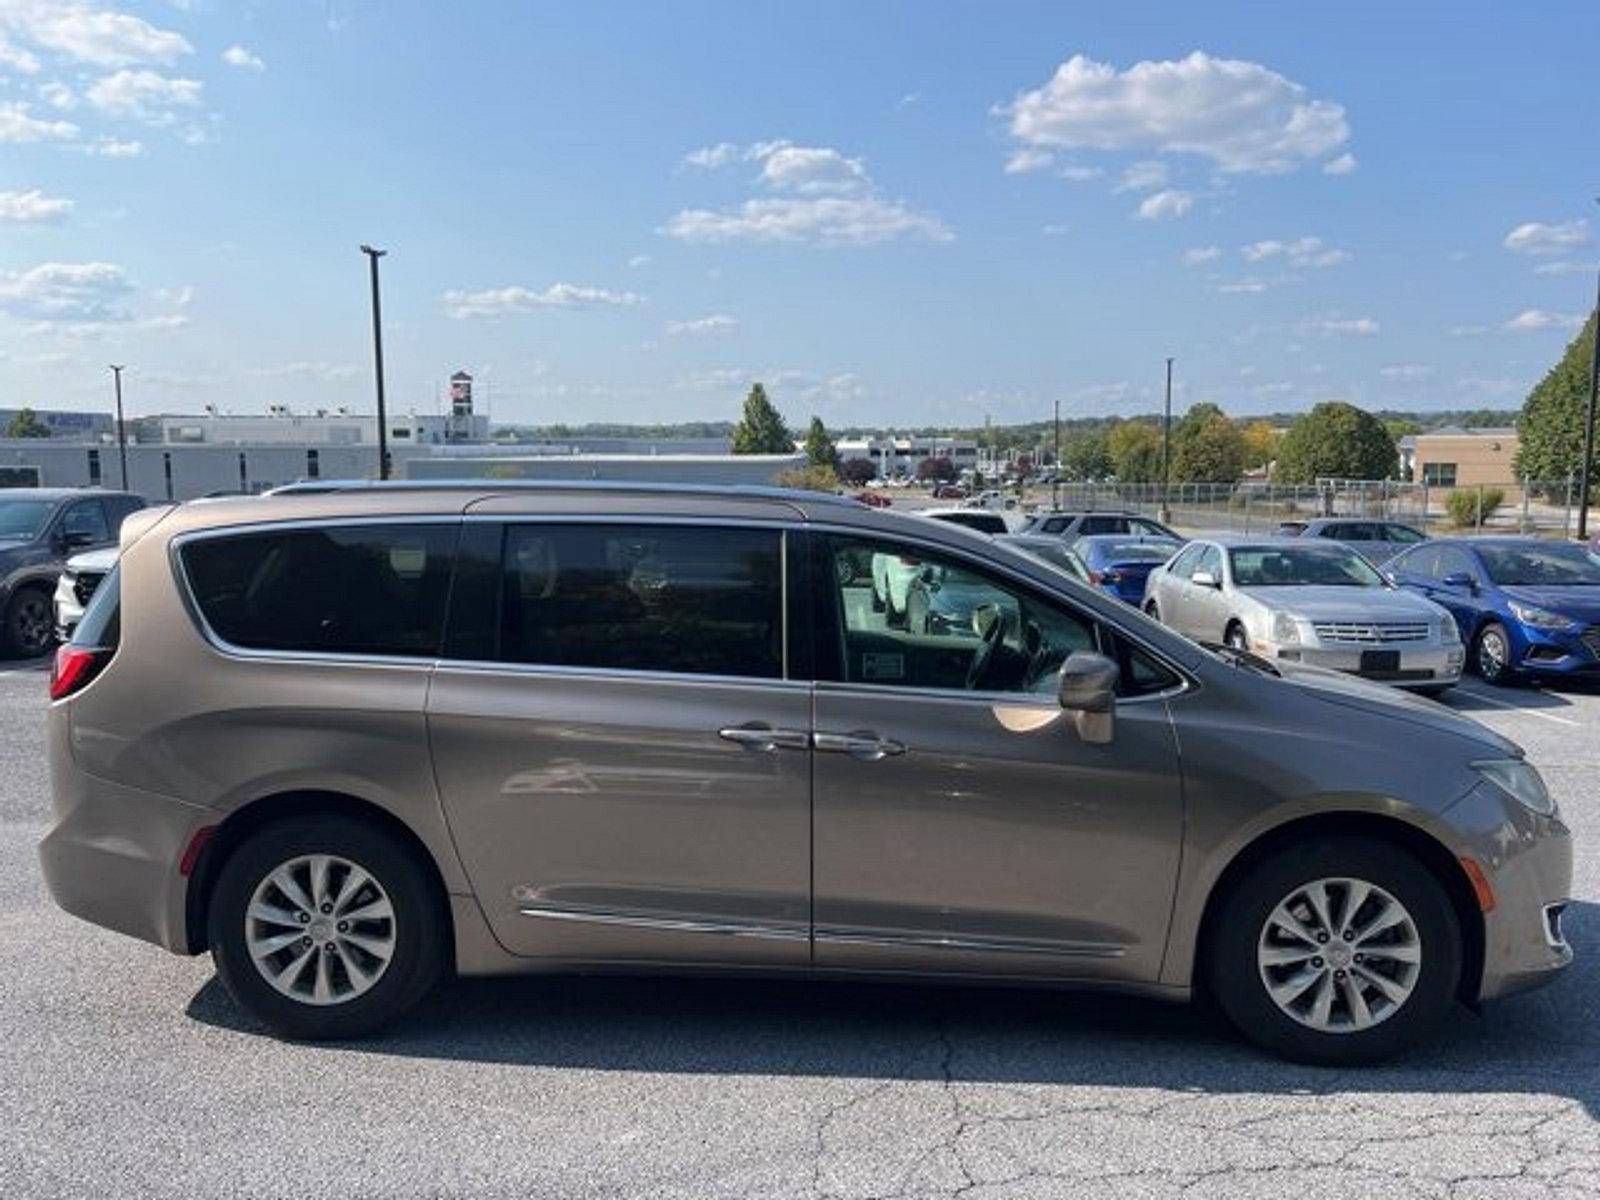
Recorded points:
(30, 623)
(1339, 955)
(1493, 654)
(320, 929)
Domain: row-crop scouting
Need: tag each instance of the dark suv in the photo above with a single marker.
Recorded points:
(39, 528)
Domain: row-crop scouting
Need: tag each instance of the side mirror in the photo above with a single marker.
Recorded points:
(1088, 690)
(1460, 579)
(1205, 579)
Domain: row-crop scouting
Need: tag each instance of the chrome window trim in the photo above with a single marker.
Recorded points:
(472, 666)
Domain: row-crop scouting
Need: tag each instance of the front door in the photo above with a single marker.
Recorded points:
(624, 764)
(960, 823)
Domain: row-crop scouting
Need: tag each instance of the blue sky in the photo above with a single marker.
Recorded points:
(894, 214)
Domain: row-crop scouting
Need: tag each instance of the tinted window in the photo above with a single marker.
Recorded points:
(1402, 533)
(1453, 562)
(356, 589)
(86, 520)
(1183, 566)
(1297, 566)
(1210, 560)
(1103, 525)
(981, 521)
(22, 519)
(1540, 566)
(1423, 562)
(1056, 524)
(1149, 528)
(691, 600)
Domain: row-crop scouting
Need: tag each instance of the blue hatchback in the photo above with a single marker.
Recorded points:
(1120, 563)
(1524, 606)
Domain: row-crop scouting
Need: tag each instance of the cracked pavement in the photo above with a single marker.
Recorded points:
(128, 1072)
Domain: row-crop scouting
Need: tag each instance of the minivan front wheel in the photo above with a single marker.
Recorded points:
(325, 927)
(1338, 953)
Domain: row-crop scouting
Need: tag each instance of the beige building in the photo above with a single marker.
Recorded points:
(1452, 457)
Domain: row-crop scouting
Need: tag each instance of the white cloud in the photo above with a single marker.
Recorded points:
(322, 372)
(108, 147)
(18, 124)
(1144, 176)
(1535, 237)
(1345, 164)
(1076, 173)
(32, 206)
(1302, 252)
(1197, 256)
(1056, 230)
(641, 260)
(1027, 159)
(85, 33)
(1566, 267)
(701, 326)
(57, 291)
(143, 95)
(178, 297)
(711, 157)
(58, 95)
(494, 302)
(813, 170)
(1240, 115)
(238, 56)
(1535, 320)
(17, 59)
(1242, 287)
(1162, 205)
(1343, 327)
(1406, 372)
(829, 220)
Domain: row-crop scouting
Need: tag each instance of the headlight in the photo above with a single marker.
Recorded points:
(1285, 629)
(1449, 631)
(1539, 618)
(1520, 781)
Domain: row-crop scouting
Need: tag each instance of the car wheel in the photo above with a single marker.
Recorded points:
(29, 624)
(1491, 655)
(1236, 638)
(326, 927)
(1337, 952)
(1151, 611)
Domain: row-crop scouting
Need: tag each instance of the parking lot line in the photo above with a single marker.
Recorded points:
(1517, 708)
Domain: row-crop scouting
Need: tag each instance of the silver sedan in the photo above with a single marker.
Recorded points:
(1314, 603)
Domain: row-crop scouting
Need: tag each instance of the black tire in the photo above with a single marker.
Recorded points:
(1151, 611)
(421, 936)
(1235, 977)
(1497, 674)
(1236, 637)
(28, 626)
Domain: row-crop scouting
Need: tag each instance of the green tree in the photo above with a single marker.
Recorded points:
(760, 429)
(1550, 428)
(25, 423)
(1207, 447)
(1336, 440)
(1260, 444)
(1085, 456)
(936, 469)
(809, 478)
(858, 471)
(1135, 451)
(820, 450)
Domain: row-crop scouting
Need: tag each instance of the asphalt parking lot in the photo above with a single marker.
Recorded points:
(128, 1072)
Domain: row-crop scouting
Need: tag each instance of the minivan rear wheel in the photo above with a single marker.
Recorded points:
(1338, 953)
(325, 927)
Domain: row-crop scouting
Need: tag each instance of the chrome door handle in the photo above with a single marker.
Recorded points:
(865, 745)
(762, 739)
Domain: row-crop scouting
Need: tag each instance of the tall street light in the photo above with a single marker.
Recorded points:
(122, 429)
(1166, 448)
(1588, 422)
(377, 357)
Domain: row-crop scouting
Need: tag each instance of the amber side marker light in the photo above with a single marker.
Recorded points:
(1480, 884)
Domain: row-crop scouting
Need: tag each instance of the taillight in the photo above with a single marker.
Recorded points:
(73, 668)
(1099, 577)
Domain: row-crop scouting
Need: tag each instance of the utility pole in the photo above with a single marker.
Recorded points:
(1166, 449)
(1055, 473)
(122, 429)
(1588, 424)
(377, 357)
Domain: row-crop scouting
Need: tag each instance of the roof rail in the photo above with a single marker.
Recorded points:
(314, 487)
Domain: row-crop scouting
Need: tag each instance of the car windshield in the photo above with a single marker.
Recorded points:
(1541, 565)
(1301, 566)
(23, 519)
(1138, 551)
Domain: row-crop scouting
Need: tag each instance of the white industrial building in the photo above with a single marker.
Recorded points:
(901, 455)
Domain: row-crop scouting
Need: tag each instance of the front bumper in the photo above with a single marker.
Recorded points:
(1558, 652)
(69, 609)
(1435, 665)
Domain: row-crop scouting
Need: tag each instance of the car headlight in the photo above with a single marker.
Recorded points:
(1539, 618)
(1285, 629)
(1518, 779)
(1449, 631)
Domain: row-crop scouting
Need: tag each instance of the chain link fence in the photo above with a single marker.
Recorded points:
(1537, 507)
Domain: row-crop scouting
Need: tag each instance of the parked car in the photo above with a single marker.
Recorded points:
(873, 499)
(1312, 602)
(1527, 608)
(1119, 565)
(79, 578)
(994, 499)
(984, 520)
(949, 491)
(1051, 550)
(425, 730)
(1376, 540)
(39, 528)
(1071, 526)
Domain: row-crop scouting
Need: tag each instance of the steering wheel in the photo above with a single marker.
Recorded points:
(984, 655)
(1033, 645)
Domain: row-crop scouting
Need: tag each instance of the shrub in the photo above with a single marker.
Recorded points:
(809, 479)
(1463, 505)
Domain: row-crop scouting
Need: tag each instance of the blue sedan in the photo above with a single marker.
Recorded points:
(1525, 607)
(1119, 564)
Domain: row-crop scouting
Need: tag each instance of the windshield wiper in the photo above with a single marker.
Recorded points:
(1243, 658)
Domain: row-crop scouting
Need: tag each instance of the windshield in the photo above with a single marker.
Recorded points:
(1540, 565)
(1301, 566)
(23, 519)
(1156, 552)
(1058, 557)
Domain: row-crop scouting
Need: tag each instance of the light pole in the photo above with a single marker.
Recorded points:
(1166, 448)
(1588, 422)
(122, 430)
(377, 357)
(1055, 474)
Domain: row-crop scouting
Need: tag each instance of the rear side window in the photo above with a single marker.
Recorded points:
(692, 600)
(100, 627)
(349, 589)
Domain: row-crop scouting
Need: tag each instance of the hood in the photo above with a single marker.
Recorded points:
(1580, 603)
(1351, 691)
(94, 560)
(1322, 603)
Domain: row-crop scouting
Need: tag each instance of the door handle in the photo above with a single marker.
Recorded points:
(864, 745)
(762, 739)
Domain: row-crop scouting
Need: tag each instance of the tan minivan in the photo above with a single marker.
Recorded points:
(351, 739)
